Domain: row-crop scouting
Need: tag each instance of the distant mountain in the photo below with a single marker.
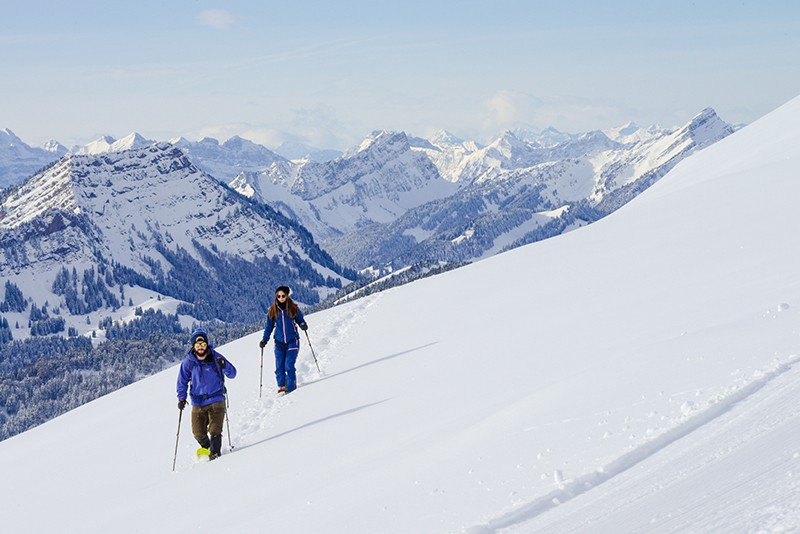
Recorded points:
(514, 192)
(19, 160)
(398, 200)
(226, 160)
(149, 217)
(445, 138)
(375, 182)
(395, 199)
(109, 144)
(653, 155)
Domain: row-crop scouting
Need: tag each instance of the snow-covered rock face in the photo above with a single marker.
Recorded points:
(121, 205)
(377, 182)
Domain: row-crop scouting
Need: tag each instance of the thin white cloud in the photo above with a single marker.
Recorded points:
(219, 19)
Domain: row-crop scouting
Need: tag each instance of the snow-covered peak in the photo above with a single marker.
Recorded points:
(245, 148)
(444, 138)
(508, 145)
(98, 146)
(622, 132)
(378, 138)
(55, 147)
(108, 144)
(179, 141)
(707, 127)
(131, 141)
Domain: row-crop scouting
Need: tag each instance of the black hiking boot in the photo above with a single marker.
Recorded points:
(216, 447)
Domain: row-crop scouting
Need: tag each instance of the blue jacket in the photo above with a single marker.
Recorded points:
(285, 327)
(208, 385)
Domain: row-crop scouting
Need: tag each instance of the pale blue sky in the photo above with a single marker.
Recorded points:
(331, 72)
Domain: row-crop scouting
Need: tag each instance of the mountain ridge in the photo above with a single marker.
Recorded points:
(133, 211)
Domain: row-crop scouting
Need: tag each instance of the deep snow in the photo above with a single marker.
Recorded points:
(635, 375)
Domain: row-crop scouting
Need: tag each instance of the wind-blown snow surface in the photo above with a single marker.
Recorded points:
(638, 374)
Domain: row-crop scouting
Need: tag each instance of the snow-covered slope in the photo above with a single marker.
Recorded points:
(636, 375)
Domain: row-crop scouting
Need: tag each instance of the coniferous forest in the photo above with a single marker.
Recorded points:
(43, 377)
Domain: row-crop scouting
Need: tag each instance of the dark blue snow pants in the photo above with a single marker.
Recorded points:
(285, 358)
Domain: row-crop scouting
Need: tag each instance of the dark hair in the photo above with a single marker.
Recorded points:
(291, 307)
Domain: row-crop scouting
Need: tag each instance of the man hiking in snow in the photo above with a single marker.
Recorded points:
(284, 317)
(205, 369)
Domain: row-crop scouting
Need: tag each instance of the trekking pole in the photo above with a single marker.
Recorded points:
(228, 420)
(227, 403)
(261, 379)
(177, 437)
(312, 350)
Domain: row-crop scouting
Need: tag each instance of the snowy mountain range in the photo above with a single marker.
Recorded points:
(160, 209)
(644, 378)
(398, 200)
(149, 217)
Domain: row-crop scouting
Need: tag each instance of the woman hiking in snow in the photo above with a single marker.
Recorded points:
(205, 369)
(284, 317)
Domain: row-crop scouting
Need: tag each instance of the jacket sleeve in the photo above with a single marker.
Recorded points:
(268, 328)
(184, 377)
(229, 370)
(299, 319)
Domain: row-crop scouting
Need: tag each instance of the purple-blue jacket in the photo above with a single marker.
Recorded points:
(206, 377)
(284, 326)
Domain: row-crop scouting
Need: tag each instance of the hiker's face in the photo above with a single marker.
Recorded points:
(200, 348)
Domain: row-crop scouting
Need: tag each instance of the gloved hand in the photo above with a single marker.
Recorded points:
(262, 343)
(221, 363)
(181, 404)
(304, 327)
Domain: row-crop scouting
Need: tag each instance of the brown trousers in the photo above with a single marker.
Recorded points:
(207, 420)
